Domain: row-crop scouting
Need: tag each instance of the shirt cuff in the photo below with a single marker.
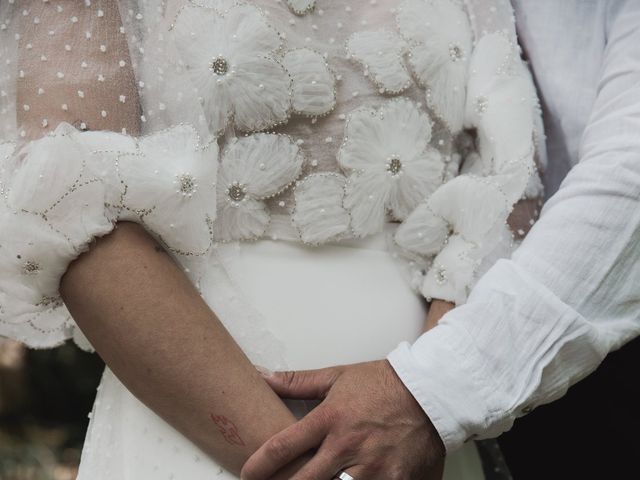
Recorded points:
(513, 346)
(440, 379)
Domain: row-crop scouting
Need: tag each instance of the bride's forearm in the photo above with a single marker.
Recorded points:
(437, 309)
(155, 332)
(135, 305)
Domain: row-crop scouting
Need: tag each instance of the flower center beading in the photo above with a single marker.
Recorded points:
(394, 166)
(455, 52)
(220, 66)
(187, 184)
(30, 267)
(237, 192)
(441, 275)
(48, 301)
(482, 103)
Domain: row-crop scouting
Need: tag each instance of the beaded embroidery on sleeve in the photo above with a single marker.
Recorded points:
(431, 119)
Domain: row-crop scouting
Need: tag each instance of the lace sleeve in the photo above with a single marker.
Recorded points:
(77, 165)
(463, 227)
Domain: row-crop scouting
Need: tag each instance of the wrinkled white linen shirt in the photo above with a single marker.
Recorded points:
(543, 320)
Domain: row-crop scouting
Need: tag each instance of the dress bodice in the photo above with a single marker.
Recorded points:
(214, 121)
(346, 36)
(362, 46)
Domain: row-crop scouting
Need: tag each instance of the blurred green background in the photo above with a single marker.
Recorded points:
(45, 396)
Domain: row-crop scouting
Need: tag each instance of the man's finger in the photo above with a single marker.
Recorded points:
(323, 466)
(334, 456)
(303, 384)
(357, 472)
(286, 446)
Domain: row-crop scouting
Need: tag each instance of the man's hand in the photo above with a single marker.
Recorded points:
(368, 424)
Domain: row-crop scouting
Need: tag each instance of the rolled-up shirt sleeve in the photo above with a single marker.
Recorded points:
(539, 322)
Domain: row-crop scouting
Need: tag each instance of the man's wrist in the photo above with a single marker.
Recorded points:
(404, 395)
(437, 383)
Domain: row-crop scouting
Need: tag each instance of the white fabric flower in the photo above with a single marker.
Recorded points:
(500, 107)
(55, 205)
(253, 169)
(170, 187)
(70, 187)
(229, 58)
(438, 38)
(301, 7)
(33, 258)
(441, 42)
(459, 224)
(466, 205)
(381, 53)
(392, 166)
(464, 222)
(106, 147)
(319, 214)
(55, 181)
(457, 266)
(313, 84)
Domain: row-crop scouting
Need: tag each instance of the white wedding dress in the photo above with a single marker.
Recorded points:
(319, 168)
(344, 304)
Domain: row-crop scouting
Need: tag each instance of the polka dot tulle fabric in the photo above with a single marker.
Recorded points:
(220, 121)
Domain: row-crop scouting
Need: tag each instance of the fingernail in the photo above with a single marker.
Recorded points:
(265, 372)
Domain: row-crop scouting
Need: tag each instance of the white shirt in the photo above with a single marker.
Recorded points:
(541, 321)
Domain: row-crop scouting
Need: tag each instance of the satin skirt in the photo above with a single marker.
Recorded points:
(288, 306)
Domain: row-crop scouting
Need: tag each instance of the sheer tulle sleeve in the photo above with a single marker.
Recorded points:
(76, 167)
(480, 215)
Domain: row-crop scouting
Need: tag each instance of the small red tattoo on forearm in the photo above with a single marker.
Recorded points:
(228, 430)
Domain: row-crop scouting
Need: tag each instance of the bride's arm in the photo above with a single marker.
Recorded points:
(158, 336)
(136, 306)
(437, 309)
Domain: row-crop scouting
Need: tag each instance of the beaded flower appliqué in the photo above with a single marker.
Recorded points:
(235, 62)
(253, 169)
(436, 37)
